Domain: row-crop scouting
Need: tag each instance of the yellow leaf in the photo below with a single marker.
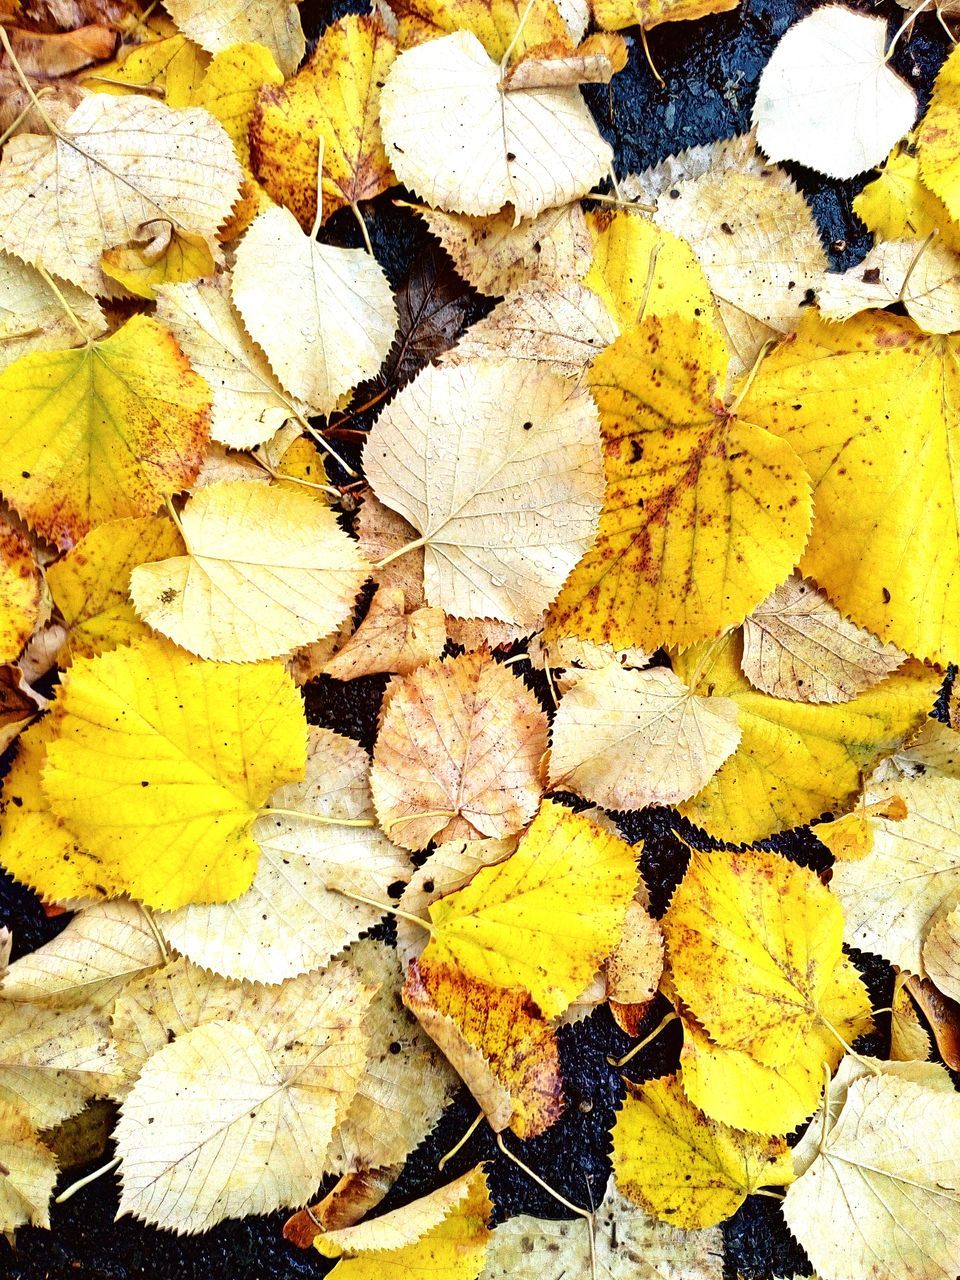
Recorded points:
(497, 24)
(19, 591)
(266, 569)
(172, 67)
(634, 969)
(897, 205)
(683, 1168)
(850, 838)
(161, 764)
(544, 918)
(272, 23)
(444, 1235)
(867, 404)
(159, 254)
(29, 1173)
(458, 753)
(937, 138)
(796, 760)
(103, 431)
(613, 15)
(334, 98)
(704, 512)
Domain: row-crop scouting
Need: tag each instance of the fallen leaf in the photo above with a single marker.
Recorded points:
(272, 23)
(909, 1038)
(501, 26)
(333, 98)
(19, 704)
(924, 277)
(704, 513)
(390, 639)
(634, 968)
(504, 526)
(936, 147)
(613, 15)
(333, 321)
(683, 1168)
(898, 206)
(941, 950)
(851, 837)
(172, 67)
(458, 753)
(797, 646)
(32, 317)
(266, 569)
(45, 69)
(105, 431)
(828, 97)
(29, 1173)
(350, 1199)
(943, 1015)
(627, 739)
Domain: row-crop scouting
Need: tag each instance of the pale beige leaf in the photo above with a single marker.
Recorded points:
(390, 639)
(6, 943)
(456, 138)
(635, 967)
(560, 326)
(332, 321)
(882, 1199)
(102, 948)
(497, 254)
(268, 568)
(272, 23)
(406, 1082)
(628, 1245)
(909, 1038)
(381, 532)
(249, 405)
(497, 465)
(796, 645)
(234, 1117)
(32, 317)
(28, 1172)
(924, 276)
(458, 753)
(828, 97)
(292, 919)
(118, 164)
(941, 951)
(889, 896)
(627, 739)
(934, 746)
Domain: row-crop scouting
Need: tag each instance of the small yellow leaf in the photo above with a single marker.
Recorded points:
(100, 432)
(683, 1168)
(850, 838)
(19, 591)
(937, 137)
(897, 205)
(159, 254)
(172, 67)
(160, 765)
(613, 15)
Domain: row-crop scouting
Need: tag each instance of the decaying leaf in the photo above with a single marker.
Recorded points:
(390, 639)
(350, 1199)
(796, 645)
(634, 969)
(19, 591)
(612, 15)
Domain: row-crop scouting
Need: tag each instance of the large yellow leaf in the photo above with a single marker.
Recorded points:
(704, 512)
(683, 1168)
(334, 98)
(545, 917)
(871, 406)
(104, 431)
(267, 568)
(795, 760)
(160, 765)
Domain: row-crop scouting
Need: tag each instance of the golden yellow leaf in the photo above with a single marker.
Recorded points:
(568, 880)
(272, 23)
(100, 432)
(866, 404)
(172, 66)
(850, 838)
(29, 1173)
(160, 765)
(704, 512)
(897, 205)
(390, 639)
(159, 254)
(19, 591)
(334, 99)
(444, 1235)
(458, 753)
(634, 968)
(32, 318)
(796, 760)
(682, 1167)
(937, 138)
(267, 569)
(613, 15)
(796, 645)
(495, 23)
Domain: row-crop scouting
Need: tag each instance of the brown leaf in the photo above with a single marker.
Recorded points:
(347, 1201)
(45, 58)
(943, 1016)
(390, 639)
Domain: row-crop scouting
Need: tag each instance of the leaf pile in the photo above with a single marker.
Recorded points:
(722, 522)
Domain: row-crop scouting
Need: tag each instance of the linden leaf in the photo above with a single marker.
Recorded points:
(634, 969)
(828, 96)
(897, 205)
(858, 441)
(160, 765)
(390, 639)
(909, 1038)
(159, 254)
(891, 895)
(333, 98)
(683, 1168)
(925, 278)
(626, 1245)
(266, 569)
(501, 26)
(704, 512)
(881, 1198)
(568, 879)
(444, 1234)
(19, 591)
(333, 321)
(795, 760)
(627, 739)
(350, 1199)
(292, 919)
(233, 1117)
(458, 753)
(936, 138)
(851, 837)
(796, 645)
(509, 500)
(104, 431)
(461, 140)
(117, 165)
(32, 318)
(90, 585)
(29, 1173)
(613, 15)
(172, 66)
(272, 23)
(941, 951)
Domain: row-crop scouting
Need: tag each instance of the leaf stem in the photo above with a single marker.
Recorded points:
(385, 907)
(913, 262)
(319, 438)
(85, 1181)
(761, 356)
(401, 551)
(649, 57)
(316, 817)
(516, 35)
(363, 226)
(620, 203)
(444, 1160)
(651, 272)
(535, 1177)
(59, 295)
(672, 1016)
